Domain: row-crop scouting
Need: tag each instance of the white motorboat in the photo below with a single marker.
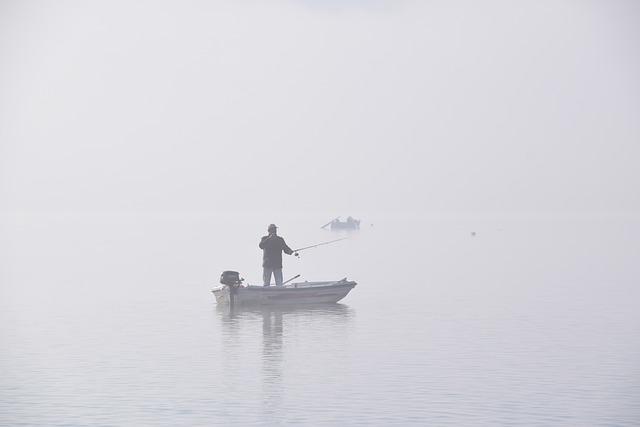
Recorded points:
(234, 292)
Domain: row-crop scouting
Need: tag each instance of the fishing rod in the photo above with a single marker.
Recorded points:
(335, 219)
(316, 245)
(287, 281)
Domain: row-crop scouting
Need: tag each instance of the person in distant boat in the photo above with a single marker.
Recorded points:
(272, 247)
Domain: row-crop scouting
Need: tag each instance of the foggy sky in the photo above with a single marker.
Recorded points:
(434, 106)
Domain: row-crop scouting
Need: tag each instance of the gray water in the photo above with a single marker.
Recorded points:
(109, 320)
(131, 110)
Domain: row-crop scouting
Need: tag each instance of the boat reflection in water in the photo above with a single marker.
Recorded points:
(300, 335)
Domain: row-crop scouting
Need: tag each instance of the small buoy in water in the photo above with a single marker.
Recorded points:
(473, 233)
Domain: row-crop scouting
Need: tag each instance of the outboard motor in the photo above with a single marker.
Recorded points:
(230, 278)
(233, 281)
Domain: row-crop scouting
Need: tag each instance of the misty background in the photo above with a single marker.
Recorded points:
(489, 147)
(355, 106)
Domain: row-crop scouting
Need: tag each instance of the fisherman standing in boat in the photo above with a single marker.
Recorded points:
(272, 247)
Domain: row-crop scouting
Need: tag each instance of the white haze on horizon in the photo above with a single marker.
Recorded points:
(463, 107)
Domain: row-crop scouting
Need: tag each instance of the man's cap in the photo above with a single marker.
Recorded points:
(272, 227)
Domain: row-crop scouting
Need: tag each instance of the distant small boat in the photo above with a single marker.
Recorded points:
(349, 224)
(292, 293)
(339, 225)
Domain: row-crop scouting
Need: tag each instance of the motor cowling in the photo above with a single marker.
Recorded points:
(230, 278)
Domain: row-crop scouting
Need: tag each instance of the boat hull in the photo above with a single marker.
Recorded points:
(296, 293)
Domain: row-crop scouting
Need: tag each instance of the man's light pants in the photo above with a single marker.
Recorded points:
(266, 276)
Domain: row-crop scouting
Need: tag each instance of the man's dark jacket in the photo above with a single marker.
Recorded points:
(272, 247)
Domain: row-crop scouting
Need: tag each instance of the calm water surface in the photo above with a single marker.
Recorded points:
(109, 320)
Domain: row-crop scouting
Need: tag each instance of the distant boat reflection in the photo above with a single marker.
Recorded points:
(241, 326)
